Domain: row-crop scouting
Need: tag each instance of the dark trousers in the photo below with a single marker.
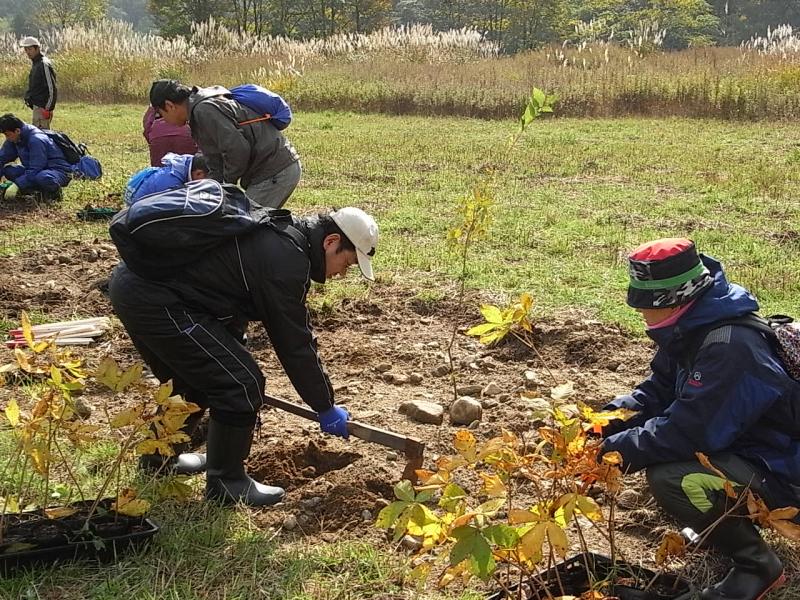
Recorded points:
(695, 496)
(204, 358)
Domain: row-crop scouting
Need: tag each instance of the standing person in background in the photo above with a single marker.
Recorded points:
(163, 138)
(241, 146)
(42, 92)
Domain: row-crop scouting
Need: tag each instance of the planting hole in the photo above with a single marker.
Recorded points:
(292, 465)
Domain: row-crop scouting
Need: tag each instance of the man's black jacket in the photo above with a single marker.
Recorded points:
(42, 90)
(264, 276)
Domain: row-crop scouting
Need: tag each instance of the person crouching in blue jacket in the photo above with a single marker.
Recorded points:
(178, 170)
(720, 390)
(42, 170)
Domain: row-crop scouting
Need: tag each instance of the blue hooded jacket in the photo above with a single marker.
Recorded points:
(736, 397)
(174, 174)
(36, 152)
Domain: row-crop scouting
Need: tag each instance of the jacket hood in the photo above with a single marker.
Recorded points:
(723, 300)
(179, 164)
(312, 229)
(26, 131)
(200, 94)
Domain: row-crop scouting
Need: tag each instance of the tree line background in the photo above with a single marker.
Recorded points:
(515, 24)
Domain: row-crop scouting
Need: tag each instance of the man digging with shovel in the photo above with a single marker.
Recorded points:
(188, 329)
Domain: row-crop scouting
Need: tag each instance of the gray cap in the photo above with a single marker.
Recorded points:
(29, 41)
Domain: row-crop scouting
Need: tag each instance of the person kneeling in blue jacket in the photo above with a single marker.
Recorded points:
(42, 170)
(178, 170)
(718, 388)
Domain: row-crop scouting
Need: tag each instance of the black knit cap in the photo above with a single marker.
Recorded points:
(160, 90)
(666, 273)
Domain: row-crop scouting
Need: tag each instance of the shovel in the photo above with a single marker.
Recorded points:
(411, 447)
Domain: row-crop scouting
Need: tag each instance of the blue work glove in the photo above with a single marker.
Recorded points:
(334, 421)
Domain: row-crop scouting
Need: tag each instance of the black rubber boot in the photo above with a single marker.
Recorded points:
(226, 480)
(756, 569)
(182, 463)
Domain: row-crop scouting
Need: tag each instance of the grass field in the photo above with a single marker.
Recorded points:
(577, 196)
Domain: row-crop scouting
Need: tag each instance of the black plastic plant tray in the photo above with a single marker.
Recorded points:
(573, 577)
(109, 535)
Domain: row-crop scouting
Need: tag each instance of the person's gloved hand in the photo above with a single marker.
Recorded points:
(334, 421)
(10, 192)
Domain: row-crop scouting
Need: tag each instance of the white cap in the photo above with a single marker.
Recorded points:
(29, 41)
(362, 231)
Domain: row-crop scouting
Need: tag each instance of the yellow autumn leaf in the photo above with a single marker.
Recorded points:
(154, 446)
(612, 458)
(558, 539)
(59, 512)
(517, 516)
(12, 412)
(125, 418)
(673, 544)
(530, 545)
(465, 444)
(27, 333)
(134, 508)
(493, 486)
(164, 392)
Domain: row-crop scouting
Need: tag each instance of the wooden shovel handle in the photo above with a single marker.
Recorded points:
(412, 447)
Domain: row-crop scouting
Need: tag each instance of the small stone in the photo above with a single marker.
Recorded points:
(621, 367)
(64, 259)
(392, 456)
(474, 425)
(416, 378)
(400, 379)
(612, 365)
(531, 378)
(489, 402)
(491, 390)
(388, 377)
(312, 502)
(93, 255)
(432, 344)
(49, 259)
(328, 537)
(629, 499)
(410, 542)
(310, 471)
(290, 523)
(383, 367)
(469, 389)
(423, 411)
(50, 284)
(465, 410)
(303, 519)
(366, 515)
(82, 408)
(441, 371)
(503, 398)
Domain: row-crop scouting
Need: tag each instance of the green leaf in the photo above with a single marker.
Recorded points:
(502, 535)
(425, 496)
(452, 497)
(473, 546)
(538, 97)
(403, 490)
(466, 539)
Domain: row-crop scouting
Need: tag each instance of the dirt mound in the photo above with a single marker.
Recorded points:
(292, 465)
